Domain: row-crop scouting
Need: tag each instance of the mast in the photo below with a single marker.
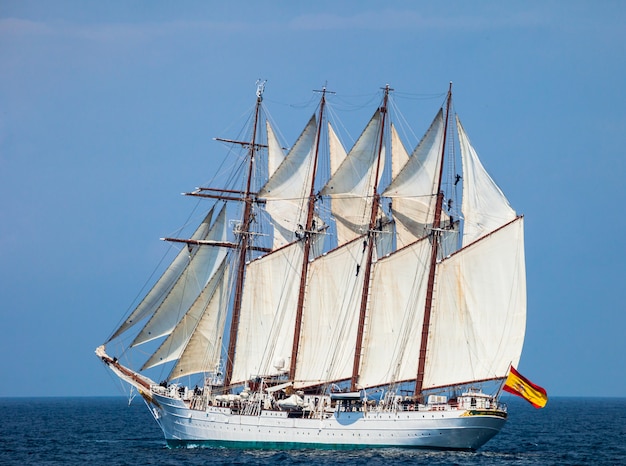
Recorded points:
(419, 381)
(307, 245)
(244, 240)
(370, 249)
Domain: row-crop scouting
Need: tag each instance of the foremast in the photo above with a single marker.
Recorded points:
(244, 242)
(419, 381)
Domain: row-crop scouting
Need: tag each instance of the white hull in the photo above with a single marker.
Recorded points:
(215, 426)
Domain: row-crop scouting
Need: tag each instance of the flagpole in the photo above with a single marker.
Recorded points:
(499, 392)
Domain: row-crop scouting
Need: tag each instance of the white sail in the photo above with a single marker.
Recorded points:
(337, 152)
(413, 190)
(352, 186)
(203, 350)
(399, 155)
(173, 346)
(162, 287)
(477, 328)
(333, 298)
(275, 154)
(202, 265)
(395, 316)
(287, 191)
(268, 307)
(484, 205)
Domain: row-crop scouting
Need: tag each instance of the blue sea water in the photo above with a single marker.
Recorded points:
(107, 431)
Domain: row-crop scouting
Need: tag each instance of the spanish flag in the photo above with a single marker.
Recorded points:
(519, 385)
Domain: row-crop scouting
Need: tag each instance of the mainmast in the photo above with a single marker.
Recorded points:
(244, 235)
(308, 238)
(433, 259)
(371, 243)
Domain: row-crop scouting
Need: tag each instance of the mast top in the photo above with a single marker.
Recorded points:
(323, 90)
(260, 88)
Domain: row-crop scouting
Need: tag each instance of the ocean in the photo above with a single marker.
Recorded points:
(107, 431)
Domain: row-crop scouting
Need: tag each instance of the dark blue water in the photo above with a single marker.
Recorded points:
(47, 431)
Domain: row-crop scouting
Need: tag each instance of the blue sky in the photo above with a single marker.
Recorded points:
(108, 110)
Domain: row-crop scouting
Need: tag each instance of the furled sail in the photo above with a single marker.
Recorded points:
(484, 205)
(166, 282)
(173, 346)
(266, 325)
(352, 186)
(287, 191)
(413, 190)
(477, 329)
(202, 265)
(328, 333)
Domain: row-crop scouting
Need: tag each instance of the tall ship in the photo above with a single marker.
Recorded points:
(333, 298)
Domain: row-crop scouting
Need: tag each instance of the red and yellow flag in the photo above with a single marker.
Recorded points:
(519, 385)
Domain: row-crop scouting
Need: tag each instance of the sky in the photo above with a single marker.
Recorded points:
(108, 112)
